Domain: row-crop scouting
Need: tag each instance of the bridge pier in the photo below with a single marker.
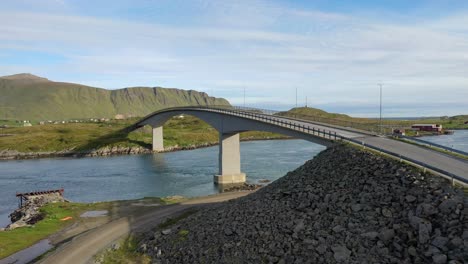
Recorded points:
(229, 160)
(158, 143)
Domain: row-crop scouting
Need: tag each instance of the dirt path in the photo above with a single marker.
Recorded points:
(82, 248)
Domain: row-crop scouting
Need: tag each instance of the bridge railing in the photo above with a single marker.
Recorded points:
(336, 137)
(269, 117)
(369, 125)
(431, 144)
(409, 159)
(266, 117)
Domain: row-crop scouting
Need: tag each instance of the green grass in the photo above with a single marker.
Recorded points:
(86, 136)
(126, 253)
(17, 239)
(183, 233)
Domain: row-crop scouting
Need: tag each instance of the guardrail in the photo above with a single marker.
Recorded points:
(270, 119)
(434, 145)
(422, 164)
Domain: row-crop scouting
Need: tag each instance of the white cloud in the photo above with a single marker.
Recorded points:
(269, 49)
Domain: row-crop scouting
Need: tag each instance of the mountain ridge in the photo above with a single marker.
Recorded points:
(30, 97)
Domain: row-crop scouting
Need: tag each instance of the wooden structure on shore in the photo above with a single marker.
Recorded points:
(23, 197)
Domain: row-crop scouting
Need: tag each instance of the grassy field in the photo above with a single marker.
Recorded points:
(177, 132)
(17, 239)
(20, 238)
(86, 136)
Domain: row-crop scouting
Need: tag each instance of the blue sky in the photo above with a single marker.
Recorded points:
(333, 52)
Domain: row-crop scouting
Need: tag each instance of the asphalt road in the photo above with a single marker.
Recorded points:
(433, 158)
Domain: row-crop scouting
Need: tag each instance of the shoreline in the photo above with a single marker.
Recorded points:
(107, 151)
(129, 208)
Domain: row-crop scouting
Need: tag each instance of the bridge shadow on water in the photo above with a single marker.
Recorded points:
(119, 136)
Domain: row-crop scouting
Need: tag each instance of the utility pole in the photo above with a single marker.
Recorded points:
(306, 101)
(296, 97)
(381, 127)
(244, 96)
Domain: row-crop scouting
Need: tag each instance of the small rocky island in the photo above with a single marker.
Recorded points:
(344, 206)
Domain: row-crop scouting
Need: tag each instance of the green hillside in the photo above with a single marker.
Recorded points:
(313, 112)
(28, 97)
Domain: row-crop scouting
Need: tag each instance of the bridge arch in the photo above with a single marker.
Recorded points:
(229, 126)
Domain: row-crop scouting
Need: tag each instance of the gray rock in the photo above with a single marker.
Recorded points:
(386, 212)
(297, 218)
(410, 198)
(386, 235)
(439, 259)
(412, 251)
(166, 231)
(425, 229)
(448, 206)
(341, 253)
(299, 227)
(439, 241)
(356, 207)
(414, 221)
(370, 235)
(338, 229)
(228, 232)
(456, 242)
(321, 249)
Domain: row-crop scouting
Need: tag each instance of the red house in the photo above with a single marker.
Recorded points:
(427, 127)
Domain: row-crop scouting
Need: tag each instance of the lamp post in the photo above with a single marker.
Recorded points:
(296, 97)
(244, 97)
(380, 85)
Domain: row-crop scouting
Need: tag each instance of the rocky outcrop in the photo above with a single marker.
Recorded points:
(30, 214)
(107, 151)
(114, 150)
(344, 206)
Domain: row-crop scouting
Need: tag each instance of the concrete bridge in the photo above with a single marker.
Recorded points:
(230, 121)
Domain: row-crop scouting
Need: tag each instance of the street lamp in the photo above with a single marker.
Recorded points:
(380, 85)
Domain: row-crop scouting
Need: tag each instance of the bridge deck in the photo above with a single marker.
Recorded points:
(448, 165)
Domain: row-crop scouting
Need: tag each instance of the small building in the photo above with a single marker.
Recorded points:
(427, 127)
(119, 117)
(41, 123)
(27, 124)
(399, 132)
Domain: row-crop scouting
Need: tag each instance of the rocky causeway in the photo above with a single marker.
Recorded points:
(344, 206)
